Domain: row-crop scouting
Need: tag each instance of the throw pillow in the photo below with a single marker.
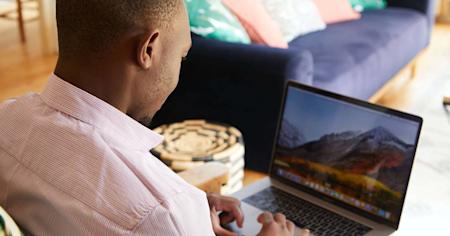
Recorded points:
(260, 27)
(295, 17)
(333, 11)
(210, 19)
(362, 5)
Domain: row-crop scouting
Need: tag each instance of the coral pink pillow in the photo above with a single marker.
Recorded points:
(260, 27)
(336, 11)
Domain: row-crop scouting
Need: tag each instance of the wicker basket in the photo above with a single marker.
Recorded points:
(193, 143)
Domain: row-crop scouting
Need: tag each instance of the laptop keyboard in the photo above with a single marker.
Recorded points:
(319, 221)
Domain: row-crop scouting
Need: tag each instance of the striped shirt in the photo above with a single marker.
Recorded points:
(71, 164)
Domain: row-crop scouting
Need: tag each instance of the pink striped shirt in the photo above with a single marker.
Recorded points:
(71, 164)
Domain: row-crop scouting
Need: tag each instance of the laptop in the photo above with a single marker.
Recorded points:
(340, 166)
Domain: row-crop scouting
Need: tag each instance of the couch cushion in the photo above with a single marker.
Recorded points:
(357, 58)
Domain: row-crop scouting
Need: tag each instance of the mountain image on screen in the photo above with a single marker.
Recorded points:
(373, 165)
(290, 136)
(376, 153)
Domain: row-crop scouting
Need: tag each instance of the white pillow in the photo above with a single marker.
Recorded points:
(295, 17)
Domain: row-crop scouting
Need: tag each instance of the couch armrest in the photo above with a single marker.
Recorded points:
(209, 177)
(240, 85)
(426, 7)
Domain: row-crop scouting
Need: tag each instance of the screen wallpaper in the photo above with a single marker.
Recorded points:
(356, 155)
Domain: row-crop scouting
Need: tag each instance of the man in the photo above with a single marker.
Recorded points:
(75, 161)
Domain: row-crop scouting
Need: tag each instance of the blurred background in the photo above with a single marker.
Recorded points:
(246, 66)
(28, 53)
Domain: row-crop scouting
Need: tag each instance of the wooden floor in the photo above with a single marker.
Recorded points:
(23, 67)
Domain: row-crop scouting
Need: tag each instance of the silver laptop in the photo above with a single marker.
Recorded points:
(339, 166)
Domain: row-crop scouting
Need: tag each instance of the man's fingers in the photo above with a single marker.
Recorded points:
(290, 226)
(223, 232)
(280, 218)
(265, 218)
(226, 218)
(305, 232)
(223, 203)
(238, 215)
(231, 208)
(218, 230)
(213, 210)
(232, 211)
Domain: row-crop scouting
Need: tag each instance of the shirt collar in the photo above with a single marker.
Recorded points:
(85, 107)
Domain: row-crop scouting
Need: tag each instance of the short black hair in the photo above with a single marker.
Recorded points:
(91, 26)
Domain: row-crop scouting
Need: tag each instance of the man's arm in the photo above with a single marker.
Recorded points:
(185, 213)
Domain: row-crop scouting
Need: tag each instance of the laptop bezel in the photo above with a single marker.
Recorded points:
(353, 101)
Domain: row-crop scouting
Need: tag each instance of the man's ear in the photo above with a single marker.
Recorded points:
(147, 48)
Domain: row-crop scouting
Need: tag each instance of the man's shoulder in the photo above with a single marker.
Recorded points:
(12, 106)
(72, 157)
(27, 120)
(16, 115)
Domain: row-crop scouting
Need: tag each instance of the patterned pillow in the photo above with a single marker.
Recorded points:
(295, 17)
(7, 225)
(209, 18)
(261, 28)
(334, 11)
(362, 5)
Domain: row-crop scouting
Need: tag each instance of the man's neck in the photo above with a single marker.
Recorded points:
(104, 82)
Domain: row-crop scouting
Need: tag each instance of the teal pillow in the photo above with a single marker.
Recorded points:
(362, 5)
(209, 18)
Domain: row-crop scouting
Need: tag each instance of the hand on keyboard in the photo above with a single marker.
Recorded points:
(230, 209)
(277, 225)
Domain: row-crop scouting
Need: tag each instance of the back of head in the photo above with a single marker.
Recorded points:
(92, 26)
(125, 52)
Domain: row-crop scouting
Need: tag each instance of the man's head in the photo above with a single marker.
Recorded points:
(127, 53)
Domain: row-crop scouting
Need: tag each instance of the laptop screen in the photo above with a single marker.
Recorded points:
(355, 154)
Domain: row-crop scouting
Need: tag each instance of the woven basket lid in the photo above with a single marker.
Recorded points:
(191, 143)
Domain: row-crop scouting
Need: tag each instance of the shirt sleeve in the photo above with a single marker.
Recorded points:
(181, 215)
(158, 223)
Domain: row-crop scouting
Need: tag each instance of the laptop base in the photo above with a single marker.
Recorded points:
(252, 227)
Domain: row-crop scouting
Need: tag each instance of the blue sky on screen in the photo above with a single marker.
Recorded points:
(315, 116)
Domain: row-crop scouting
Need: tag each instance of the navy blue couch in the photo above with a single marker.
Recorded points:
(242, 85)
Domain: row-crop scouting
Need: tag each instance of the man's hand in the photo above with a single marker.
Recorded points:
(230, 209)
(277, 225)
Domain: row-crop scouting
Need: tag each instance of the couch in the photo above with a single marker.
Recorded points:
(242, 85)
